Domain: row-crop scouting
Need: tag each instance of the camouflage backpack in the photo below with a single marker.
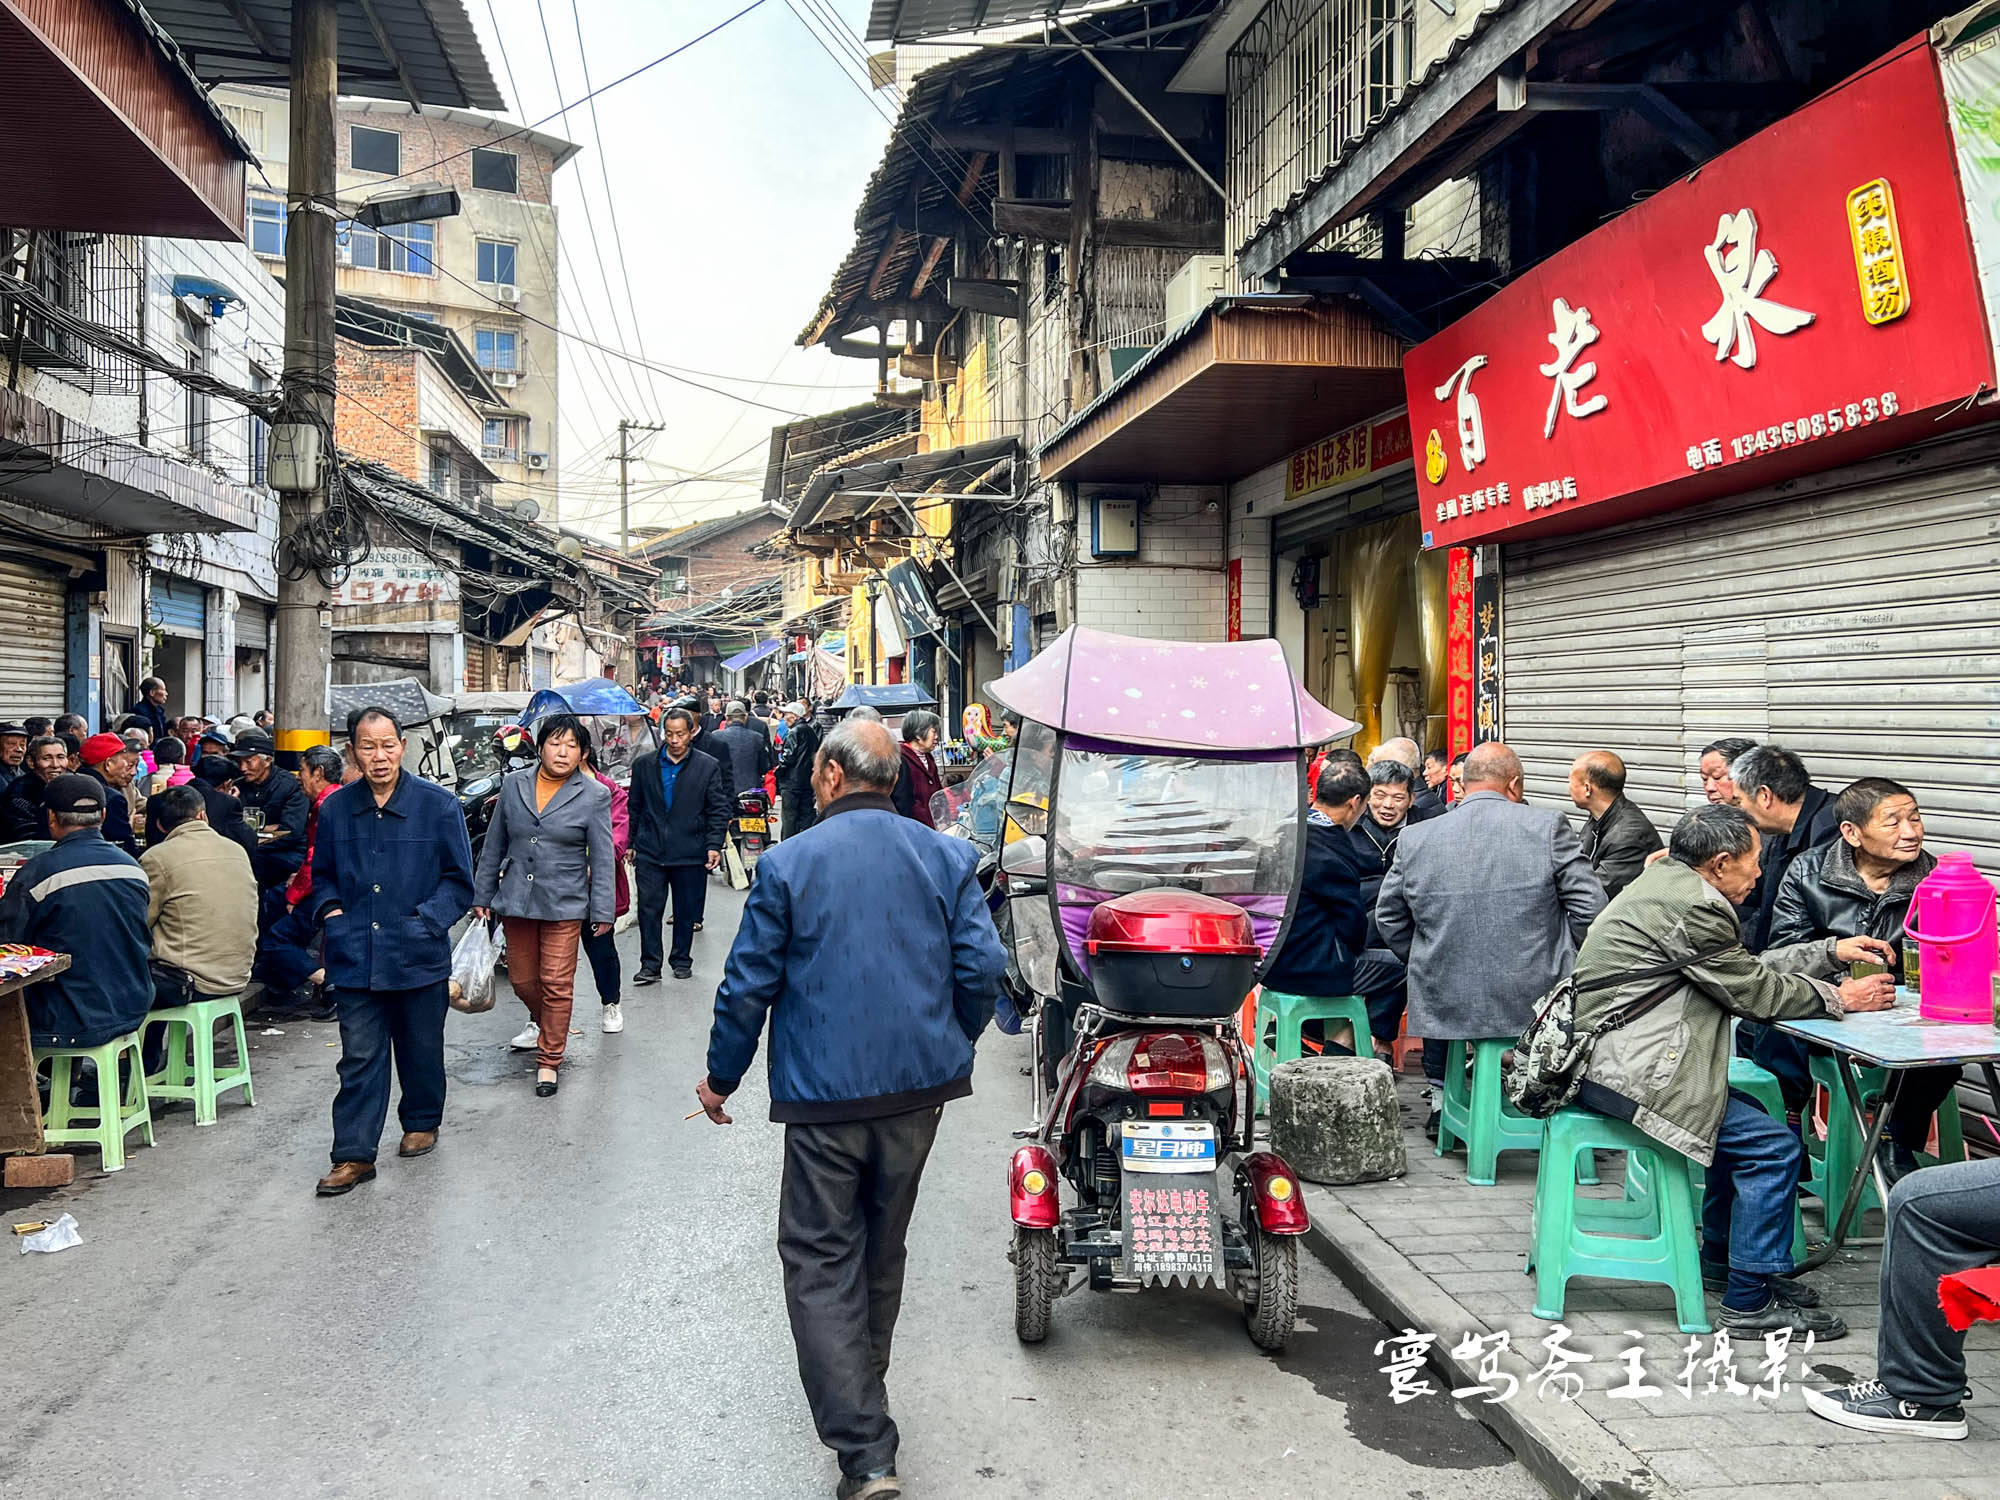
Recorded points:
(1548, 1061)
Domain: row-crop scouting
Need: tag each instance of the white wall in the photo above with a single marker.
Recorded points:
(1176, 589)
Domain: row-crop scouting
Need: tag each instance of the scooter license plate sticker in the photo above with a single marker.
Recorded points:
(1168, 1145)
(752, 825)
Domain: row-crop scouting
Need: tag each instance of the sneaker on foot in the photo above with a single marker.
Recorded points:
(683, 971)
(1715, 1277)
(528, 1039)
(1824, 1325)
(1868, 1406)
(614, 1018)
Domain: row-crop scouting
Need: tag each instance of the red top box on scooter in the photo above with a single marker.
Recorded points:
(1168, 952)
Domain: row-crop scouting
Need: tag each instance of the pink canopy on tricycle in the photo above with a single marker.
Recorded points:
(1205, 695)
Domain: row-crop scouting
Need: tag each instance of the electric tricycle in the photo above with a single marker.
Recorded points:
(1154, 848)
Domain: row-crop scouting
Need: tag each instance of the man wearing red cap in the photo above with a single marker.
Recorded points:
(109, 760)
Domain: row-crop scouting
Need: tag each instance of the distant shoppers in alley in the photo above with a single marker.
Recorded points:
(546, 871)
(201, 910)
(1486, 908)
(918, 779)
(85, 898)
(276, 795)
(108, 760)
(22, 811)
(1716, 759)
(860, 1070)
(150, 709)
(1667, 1072)
(1617, 836)
(392, 872)
(748, 749)
(601, 948)
(1860, 885)
(795, 769)
(680, 808)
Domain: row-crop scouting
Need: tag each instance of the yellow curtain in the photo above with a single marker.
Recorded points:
(1427, 571)
(1374, 576)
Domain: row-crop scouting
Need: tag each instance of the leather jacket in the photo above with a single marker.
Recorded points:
(1823, 895)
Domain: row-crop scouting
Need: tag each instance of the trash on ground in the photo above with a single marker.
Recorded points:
(58, 1236)
(270, 1031)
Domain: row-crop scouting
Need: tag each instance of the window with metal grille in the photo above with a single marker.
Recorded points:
(500, 439)
(496, 171)
(75, 279)
(374, 150)
(1306, 83)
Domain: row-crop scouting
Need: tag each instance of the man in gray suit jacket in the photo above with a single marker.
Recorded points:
(1486, 907)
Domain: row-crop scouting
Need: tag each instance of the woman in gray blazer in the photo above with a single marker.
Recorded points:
(546, 870)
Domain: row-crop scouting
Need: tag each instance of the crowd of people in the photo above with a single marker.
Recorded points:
(1773, 900)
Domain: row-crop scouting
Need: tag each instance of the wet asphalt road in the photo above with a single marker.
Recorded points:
(581, 1296)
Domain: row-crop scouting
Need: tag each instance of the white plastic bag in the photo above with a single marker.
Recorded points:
(472, 965)
(58, 1236)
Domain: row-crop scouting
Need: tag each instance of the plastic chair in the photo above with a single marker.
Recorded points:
(189, 1070)
(1478, 1118)
(1582, 1237)
(113, 1119)
(1280, 1032)
(1405, 1046)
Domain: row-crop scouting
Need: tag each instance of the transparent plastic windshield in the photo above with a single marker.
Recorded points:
(1130, 821)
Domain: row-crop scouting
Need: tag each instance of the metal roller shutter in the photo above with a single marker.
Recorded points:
(1853, 619)
(32, 663)
(253, 626)
(178, 606)
(475, 666)
(1313, 522)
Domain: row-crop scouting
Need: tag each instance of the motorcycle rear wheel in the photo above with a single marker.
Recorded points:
(1273, 1311)
(1037, 1279)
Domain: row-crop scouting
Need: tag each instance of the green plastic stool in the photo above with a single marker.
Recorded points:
(1640, 1206)
(189, 1070)
(112, 1120)
(1568, 1244)
(1478, 1118)
(1284, 1017)
(1833, 1159)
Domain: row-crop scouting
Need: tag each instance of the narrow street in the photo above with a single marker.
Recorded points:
(581, 1295)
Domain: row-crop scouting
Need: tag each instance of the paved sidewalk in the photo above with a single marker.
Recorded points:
(1431, 1253)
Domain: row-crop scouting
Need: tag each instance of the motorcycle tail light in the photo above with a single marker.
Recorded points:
(1031, 1189)
(1162, 1062)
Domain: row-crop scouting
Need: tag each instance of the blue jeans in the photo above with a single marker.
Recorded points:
(374, 1026)
(1746, 1212)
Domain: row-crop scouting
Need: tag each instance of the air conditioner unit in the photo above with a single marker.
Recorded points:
(1199, 282)
(505, 380)
(507, 293)
(535, 460)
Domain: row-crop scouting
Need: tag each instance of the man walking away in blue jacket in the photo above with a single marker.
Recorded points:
(860, 1066)
(391, 873)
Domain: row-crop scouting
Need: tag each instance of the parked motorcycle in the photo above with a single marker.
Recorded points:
(1147, 879)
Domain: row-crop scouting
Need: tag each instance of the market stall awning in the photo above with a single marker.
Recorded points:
(751, 657)
(842, 498)
(1238, 386)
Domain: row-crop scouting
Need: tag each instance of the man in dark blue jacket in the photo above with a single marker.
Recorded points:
(87, 899)
(680, 809)
(874, 1006)
(392, 871)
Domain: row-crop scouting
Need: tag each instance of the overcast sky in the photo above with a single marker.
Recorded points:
(735, 169)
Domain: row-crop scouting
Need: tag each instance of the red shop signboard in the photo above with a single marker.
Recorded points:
(1803, 300)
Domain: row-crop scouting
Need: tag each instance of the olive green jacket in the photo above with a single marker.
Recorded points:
(1668, 1071)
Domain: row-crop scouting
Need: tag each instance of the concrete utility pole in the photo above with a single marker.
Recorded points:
(625, 428)
(305, 619)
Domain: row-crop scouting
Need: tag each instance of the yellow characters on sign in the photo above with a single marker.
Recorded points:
(1878, 252)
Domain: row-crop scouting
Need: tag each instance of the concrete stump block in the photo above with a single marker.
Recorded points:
(1335, 1119)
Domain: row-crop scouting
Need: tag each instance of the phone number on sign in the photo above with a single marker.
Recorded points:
(1818, 425)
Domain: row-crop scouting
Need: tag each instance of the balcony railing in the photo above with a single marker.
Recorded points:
(96, 278)
(1307, 80)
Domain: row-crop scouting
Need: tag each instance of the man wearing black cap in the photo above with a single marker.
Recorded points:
(13, 755)
(216, 779)
(87, 899)
(278, 796)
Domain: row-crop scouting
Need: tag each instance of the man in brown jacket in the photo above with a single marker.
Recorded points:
(203, 906)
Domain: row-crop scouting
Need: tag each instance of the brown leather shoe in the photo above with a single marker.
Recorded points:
(418, 1143)
(345, 1177)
